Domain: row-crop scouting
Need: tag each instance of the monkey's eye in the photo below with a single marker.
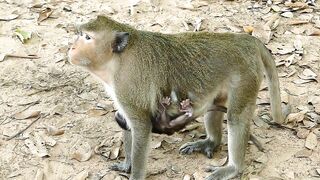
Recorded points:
(88, 37)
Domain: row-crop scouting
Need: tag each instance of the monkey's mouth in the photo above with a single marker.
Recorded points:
(79, 61)
(70, 59)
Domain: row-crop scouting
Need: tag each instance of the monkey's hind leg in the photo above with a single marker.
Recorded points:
(213, 125)
(126, 165)
(241, 108)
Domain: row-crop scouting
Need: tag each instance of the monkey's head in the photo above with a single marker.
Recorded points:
(97, 42)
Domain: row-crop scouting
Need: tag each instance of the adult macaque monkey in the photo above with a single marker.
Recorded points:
(139, 68)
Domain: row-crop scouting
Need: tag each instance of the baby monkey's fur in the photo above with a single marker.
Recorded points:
(139, 68)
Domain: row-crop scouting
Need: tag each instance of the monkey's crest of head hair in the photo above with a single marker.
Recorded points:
(103, 23)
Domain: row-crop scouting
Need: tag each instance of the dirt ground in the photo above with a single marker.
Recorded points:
(56, 122)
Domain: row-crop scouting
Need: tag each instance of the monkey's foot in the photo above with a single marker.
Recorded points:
(207, 147)
(122, 167)
(221, 173)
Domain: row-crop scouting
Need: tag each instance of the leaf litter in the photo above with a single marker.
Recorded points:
(294, 57)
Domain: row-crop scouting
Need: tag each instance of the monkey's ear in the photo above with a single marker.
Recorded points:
(120, 41)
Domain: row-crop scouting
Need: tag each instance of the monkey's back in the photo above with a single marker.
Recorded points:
(186, 62)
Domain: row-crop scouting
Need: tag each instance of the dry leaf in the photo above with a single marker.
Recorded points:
(108, 146)
(41, 146)
(295, 117)
(197, 24)
(83, 175)
(309, 124)
(313, 100)
(308, 74)
(109, 10)
(192, 5)
(297, 30)
(260, 123)
(286, 49)
(299, 5)
(311, 141)
(272, 23)
(219, 162)
(81, 157)
(2, 56)
(303, 153)
(59, 109)
(289, 174)
(302, 81)
(67, 8)
(54, 131)
(14, 174)
(8, 17)
(297, 22)
(313, 32)
(30, 144)
(302, 133)
(82, 108)
(262, 159)
(81, 151)
(248, 29)
(275, 8)
(187, 6)
(317, 132)
(308, 10)
(156, 144)
(26, 114)
(191, 127)
(115, 151)
(172, 140)
(96, 112)
(298, 44)
(23, 36)
(266, 10)
(49, 140)
(264, 35)
(199, 4)
(187, 177)
(287, 14)
(44, 14)
(39, 175)
(289, 60)
(105, 105)
(186, 26)
(198, 176)
(134, 2)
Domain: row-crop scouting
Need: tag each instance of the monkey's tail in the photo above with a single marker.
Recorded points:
(273, 84)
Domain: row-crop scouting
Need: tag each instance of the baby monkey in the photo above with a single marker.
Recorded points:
(163, 123)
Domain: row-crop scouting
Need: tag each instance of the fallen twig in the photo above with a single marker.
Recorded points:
(28, 106)
(257, 143)
(23, 56)
(24, 129)
(157, 172)
(47, 89)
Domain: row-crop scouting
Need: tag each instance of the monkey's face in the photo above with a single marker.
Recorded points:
(87, 51)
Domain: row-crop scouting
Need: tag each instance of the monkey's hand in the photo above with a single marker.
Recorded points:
(166, 101)
(186, 107)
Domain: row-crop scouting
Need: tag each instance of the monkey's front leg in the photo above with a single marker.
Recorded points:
(126, 165)
(141, 132)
